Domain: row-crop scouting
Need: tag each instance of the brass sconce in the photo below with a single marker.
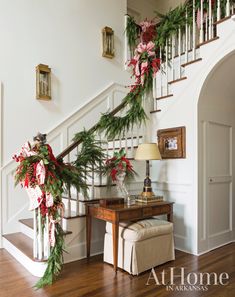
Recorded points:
(108, 42)
(43, 82)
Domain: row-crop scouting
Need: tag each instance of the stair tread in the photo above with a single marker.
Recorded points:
(29, 223)
(22, 242)
(72, 215)
(153, 111)
(191, 62)
(177, 80)
(208, 41)
(222, 20)
(164, 97)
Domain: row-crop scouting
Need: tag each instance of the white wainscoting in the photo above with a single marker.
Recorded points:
(14, 201)
(180, 194)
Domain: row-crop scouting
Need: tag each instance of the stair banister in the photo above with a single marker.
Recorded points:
(210, 20)
(73, 145)
(194, 31)
(218, 10)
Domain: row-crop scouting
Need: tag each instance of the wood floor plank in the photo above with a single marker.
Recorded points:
(94, 278)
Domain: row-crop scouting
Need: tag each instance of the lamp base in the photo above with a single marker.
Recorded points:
(149, 199)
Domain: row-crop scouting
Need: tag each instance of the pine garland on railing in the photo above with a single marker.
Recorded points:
(169, 24)
(45, 179)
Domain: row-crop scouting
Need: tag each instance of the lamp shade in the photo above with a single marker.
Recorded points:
(148, 151)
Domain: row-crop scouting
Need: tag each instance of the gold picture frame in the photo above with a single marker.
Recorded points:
(43, 82)
(172, 143)
(108, 42)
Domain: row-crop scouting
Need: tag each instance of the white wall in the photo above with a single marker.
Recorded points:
(147, 8)
(165, 6)
(66, 35)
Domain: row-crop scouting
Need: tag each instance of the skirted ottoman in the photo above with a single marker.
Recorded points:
(142, 245)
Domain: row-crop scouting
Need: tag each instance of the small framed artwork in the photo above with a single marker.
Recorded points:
(108, 42)
(172, 143)
(43, 82)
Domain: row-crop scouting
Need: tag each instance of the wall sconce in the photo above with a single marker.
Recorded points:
(43, 82)
(108, 42)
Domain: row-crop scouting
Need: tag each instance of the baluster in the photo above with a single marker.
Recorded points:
(201, 22)
(77, 193)
(166, 63)
(218, 10)
(160, 72)
(77, 202)
(69, 201)
(39, 235)
(206, 29)
(179, 47)
(138, 136)
(212, 26)
(127, 49)
(100, 163)
(210, 20)
(194, 31)
(172, 57)
(132, 144)
(35, 231)
(227, 8)
(46, 238)
(113, 145)
(189, 38)
(92, 183)
(186, 38)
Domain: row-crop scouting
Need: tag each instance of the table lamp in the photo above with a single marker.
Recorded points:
(147, 152)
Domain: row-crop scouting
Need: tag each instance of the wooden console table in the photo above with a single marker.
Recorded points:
(121, 213)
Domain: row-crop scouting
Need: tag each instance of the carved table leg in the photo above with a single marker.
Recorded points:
(88, 235)
(115, 245)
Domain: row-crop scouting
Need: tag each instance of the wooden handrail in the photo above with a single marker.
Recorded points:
(92, 129)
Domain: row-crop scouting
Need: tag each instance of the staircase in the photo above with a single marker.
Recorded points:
(22, 242)
(185, 58)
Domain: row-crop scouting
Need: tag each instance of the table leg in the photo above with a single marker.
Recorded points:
(88, 235)
(170, 216)
(115, 228)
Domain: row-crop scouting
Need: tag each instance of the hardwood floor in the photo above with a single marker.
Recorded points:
(97, 279)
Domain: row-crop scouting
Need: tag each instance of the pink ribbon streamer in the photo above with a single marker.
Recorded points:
(40, 173)
(35, 197)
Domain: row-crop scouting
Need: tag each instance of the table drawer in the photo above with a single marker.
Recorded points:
(130, 215)
(161, 210)
(147, 212)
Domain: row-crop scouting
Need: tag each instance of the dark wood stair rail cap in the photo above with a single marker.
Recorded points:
(92, 129)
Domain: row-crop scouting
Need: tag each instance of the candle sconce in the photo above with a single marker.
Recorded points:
(108, 42)
(43, 82)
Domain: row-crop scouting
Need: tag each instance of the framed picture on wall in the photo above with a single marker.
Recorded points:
(172, 142)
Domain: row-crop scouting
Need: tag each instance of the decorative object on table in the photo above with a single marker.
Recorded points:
(119, 169)
(145, 199)
(172, 143)
(111, 201)
(108, 42)
(44, 178)
(43, 82)
(147, 152)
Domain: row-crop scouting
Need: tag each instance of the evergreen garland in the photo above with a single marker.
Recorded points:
(133, 33)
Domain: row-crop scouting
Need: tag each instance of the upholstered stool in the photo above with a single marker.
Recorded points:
(142, 245)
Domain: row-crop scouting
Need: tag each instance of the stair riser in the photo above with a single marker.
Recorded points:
(35, 268)
(26, 230)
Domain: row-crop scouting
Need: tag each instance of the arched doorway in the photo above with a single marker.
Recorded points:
(216, 155)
